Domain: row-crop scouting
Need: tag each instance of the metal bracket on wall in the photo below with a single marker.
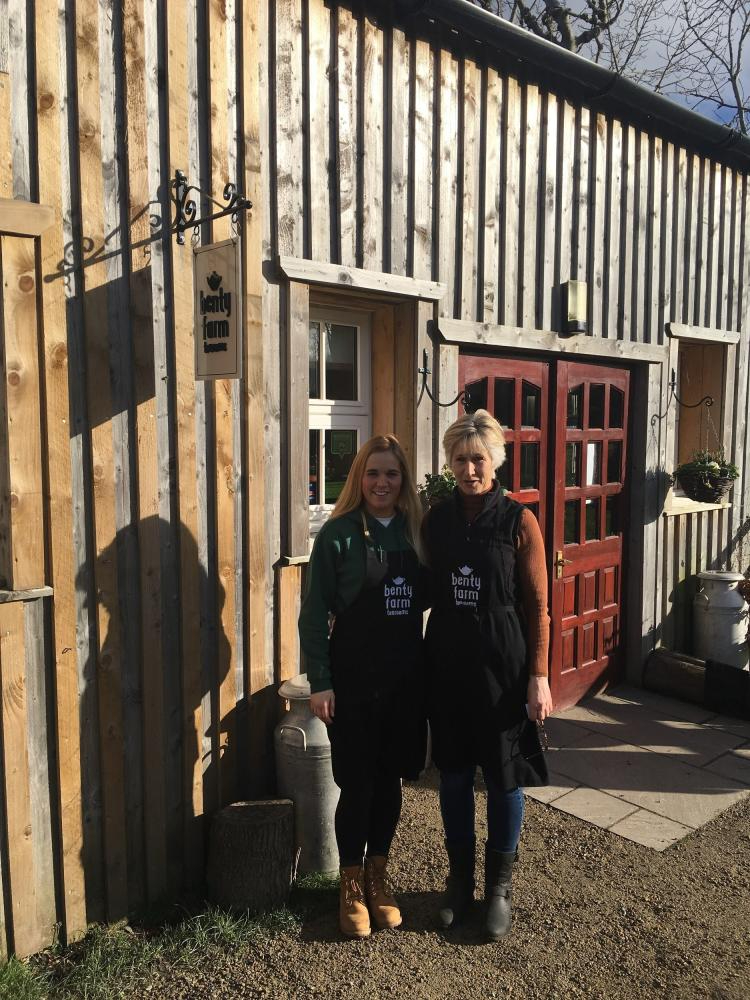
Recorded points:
(186, 209)
(708, 401)
(424, 371)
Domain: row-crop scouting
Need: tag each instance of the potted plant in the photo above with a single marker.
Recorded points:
(436, 487)
(707, 477)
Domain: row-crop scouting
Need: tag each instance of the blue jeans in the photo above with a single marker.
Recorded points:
(504, 810)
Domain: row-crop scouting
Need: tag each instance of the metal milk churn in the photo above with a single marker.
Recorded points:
(303, 774)
(720, 619)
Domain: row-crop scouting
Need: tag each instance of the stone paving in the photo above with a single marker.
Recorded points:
(647, 768)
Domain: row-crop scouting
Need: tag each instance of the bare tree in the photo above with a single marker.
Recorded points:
(691, 50)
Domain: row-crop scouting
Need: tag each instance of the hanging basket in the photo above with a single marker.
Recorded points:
(706, 489)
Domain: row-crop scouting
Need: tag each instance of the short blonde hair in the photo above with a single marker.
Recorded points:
(478, 430)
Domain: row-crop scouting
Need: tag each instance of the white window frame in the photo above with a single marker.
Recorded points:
(344, 414)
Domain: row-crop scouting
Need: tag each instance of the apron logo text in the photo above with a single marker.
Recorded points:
(398, 597)
(466, 587)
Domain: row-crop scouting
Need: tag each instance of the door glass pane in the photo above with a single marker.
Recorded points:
(504, 474)
(505, 392)
(596, 406)
(573, 464)
(616, 407)
(315, 361)
(341, 361)
(612, 515)
(531, 405)
(314, 477)
(592, 519)
(614, 462)
(572, 522)
(475, 396)
(529, 466)
(339, 449)
(593, 463)
(575, 407)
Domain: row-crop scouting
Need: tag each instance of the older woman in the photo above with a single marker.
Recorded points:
(365, 676)
(487, 644)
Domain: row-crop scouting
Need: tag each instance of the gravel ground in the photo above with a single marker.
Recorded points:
(594, 916)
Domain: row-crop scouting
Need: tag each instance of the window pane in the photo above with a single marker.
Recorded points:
(505, 393)
(529, 466)
(504, 474)
(575, 407)
(616, 407)
(612, 515)
(614, 462)
(573, 464)
(315, 361)
(572, 532)
(593, 463)
(314, 478)
(475, 396)
(341, 361)
(592, 519)
(531, 405)
(596, 406)
(339, 450)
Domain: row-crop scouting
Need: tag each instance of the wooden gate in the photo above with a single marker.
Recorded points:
(565, 428)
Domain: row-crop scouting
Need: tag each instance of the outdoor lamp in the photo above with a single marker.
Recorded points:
(574, 307)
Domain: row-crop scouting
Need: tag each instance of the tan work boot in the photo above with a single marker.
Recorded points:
(354, 918)
(383, 906)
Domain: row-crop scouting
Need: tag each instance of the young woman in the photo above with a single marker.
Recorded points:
(365, 673)
(486, 648)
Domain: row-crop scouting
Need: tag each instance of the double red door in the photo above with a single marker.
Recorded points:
(566, 429)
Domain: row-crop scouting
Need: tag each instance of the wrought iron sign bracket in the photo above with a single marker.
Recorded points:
(186, 209)
(707, 401)
(424, 371)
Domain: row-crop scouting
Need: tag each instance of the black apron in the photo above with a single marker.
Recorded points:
(379, 724)
(475, 646)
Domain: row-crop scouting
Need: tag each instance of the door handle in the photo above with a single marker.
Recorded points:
(559, 563)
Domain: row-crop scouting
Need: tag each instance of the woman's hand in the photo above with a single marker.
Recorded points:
(539, 699)
(323, 704)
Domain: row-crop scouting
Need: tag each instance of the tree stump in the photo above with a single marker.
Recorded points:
(250, 855)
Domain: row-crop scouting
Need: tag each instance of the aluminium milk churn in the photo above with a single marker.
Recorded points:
(720, 619)
(304, 775)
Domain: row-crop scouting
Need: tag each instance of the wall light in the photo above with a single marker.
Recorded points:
(575, 319)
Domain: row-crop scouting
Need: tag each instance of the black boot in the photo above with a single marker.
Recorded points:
(459, 889)
(498, 868)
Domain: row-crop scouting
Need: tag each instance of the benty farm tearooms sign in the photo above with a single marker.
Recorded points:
(216, 272)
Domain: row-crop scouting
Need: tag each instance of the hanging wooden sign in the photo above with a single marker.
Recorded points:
(216, 284)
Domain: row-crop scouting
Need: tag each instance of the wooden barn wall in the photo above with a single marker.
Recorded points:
(408, 151)
(161, 498)
(145, 509)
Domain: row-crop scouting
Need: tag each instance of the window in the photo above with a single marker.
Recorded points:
(340, 418)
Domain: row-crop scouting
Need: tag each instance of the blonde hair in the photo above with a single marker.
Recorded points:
(350, 497)
(476, 431)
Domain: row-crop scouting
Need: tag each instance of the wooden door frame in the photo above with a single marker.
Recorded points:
(648, 365)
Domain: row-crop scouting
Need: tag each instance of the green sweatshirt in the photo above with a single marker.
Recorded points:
(335, 576)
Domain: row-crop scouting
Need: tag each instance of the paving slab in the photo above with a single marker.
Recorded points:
(734, 765)
(654, 781)
(558, 786)
(668, 708)
(563, 733)
(740, 727)
(650, 829)
(594, 806)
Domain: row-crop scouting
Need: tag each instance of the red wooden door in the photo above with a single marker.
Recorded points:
(516, 393)
(591, 424)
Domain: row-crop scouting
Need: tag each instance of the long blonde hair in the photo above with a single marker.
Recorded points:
(350, 497)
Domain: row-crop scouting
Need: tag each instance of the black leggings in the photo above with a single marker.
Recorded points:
(366, 817)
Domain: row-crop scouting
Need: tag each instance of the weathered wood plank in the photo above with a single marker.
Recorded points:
(372, 152)
(6, 162)
(681, 331)
(405, 378)
(447, 178)
(26, 937)
(643, 248)
(52, 125)
(314, 272)
(4, 37)
(99, 395)
(289, 150)
(424, 415)
(446, 388)
(421, 213)
(346, 149)
(548, 215)
(583, 151)
(529, 207)
(613, 225)
(712, 294)
(289, 589)
(494, 142)
(679, 222)
(470, 218)
(20, 69)
(399, 136)
(597, 201)
(655, 244)
(383, 375)
(667, 216)
(21, 218)
(298, 452)
(510, 264)
(20, 373)
(629, 221)
(488, 334)
(566, 160)
(318, 111)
